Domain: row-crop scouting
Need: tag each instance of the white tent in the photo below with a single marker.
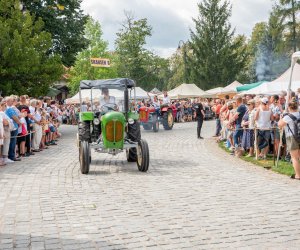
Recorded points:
(187, 91)
(280, 84)
(229, 89)
(140, 93)
(232, 86)
(155, 91)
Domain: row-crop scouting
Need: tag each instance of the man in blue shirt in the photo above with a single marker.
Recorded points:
(12, 114)
(241, 110)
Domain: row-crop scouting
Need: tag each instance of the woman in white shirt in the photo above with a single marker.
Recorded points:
(263, 118)
(293, 146)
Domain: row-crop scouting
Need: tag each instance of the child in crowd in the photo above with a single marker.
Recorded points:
(22, 132)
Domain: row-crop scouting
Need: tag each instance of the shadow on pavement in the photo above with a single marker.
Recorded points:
(29, 241)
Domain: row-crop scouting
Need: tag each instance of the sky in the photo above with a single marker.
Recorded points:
(171, 20)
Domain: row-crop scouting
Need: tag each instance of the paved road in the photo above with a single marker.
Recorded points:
(195, 196)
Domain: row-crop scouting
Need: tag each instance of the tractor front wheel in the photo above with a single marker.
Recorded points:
(147, 126)
(84, 157)
(155, 123)
(131, 155)
(142, 156)
(84, 131)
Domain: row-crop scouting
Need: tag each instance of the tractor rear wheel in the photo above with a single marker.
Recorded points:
(142, 156)
(168, 120)
(134, 134)
(84, 157)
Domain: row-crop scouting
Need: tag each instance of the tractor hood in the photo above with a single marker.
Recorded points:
(116, 116)
(113, 129)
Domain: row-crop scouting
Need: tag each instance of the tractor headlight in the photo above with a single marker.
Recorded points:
(130, 121)
(96, 121)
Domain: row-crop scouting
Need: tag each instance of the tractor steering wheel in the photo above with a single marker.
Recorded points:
(108, 107)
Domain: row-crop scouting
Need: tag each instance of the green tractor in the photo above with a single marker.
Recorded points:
(112, 128)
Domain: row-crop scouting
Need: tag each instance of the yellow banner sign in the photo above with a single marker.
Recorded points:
(100, 62)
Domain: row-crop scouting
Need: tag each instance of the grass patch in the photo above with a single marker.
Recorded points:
(284, 167)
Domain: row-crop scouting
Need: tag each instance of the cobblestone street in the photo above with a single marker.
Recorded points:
(194, 196)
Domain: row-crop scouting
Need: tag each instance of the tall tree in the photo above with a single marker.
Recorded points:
(26, 67)
(217, 57)
(65, 20)
(177, 68)
(97, 48)
(130, 47)
(289, 10)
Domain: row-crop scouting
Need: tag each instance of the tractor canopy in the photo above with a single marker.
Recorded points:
(118, 83)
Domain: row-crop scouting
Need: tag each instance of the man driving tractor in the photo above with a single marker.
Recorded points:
(105, 98)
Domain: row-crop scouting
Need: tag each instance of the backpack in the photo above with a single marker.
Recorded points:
(296, 131)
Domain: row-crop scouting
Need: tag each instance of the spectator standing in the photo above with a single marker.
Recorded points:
(29, 123)
(288, 122)
(263, 118)
(199, 115)
(13, 115)
(238, 117)
(35, 110)
(8, 126)
(22, 134)
(217, 110)
(2, 163)
(276, 109)
(248, 124)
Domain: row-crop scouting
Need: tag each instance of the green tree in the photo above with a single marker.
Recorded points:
(26, 67)
(217, 56)
(130, 47)
(289, 10)
(157, 72)
(65, 20)
(177, 68)
(97, 48)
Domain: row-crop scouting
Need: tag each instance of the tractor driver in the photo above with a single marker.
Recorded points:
(105, 98)
(154, 101)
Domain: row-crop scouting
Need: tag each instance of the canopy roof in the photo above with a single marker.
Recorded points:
(229, 89)
(280, 84)
(140, 93)
(96, 93)
(118, 83)
(249, 86)
(187, 91)
(155, 91)
(232, 86)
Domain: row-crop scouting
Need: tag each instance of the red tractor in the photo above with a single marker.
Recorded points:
(150, 117)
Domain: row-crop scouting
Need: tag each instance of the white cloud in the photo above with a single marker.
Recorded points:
(170, 19)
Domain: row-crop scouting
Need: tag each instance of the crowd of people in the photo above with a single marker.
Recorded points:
(27, 126)
(248, 124)
(242, 121)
